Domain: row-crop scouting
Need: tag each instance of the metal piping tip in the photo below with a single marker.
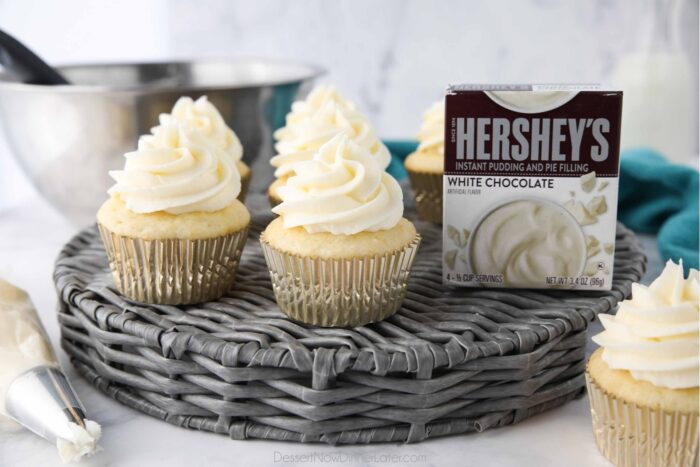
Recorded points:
(43, 401)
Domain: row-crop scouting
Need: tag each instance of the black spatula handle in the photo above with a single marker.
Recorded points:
(19, 60)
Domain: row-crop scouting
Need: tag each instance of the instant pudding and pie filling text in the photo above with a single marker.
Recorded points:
(530, 186)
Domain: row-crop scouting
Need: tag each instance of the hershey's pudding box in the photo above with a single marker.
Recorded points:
(530, 186)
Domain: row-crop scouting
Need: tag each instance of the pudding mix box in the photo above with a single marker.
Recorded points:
(530, 186)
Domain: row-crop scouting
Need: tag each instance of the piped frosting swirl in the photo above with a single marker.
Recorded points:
(341, 190)
(205, 117)
(315, 121)
(176, 170)
(431, 137)
(304, 109)
(654, 335)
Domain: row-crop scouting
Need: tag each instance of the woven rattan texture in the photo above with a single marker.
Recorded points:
(450, 361)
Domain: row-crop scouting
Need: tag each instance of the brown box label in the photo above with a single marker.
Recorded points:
(581, 136)
(530, 187)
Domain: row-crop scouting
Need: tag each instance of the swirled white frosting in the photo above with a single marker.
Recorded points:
(176, 170)
(314, 121)
(303, 109)
(431, 137)
(204, 116)
(342, 190)
(654, 335)
(311, 133)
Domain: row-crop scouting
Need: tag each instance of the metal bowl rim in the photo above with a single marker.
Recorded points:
(310, 71)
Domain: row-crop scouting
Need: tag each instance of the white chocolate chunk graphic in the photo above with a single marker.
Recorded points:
(453, 233)
(580, 213)
(597, 205)
(591, 240)
(603, 186)
(463, 257)
(450, 258)
(587, 182)
(609, 248)
(591, 268)
(460, 240)
(465, 238)
(592, 246)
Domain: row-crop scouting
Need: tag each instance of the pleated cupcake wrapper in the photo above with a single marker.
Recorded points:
(427, 189)
(173, 271)
(339, 292)
(628, 434)
(245, 184)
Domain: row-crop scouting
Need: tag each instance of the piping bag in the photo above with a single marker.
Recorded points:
(33, 390)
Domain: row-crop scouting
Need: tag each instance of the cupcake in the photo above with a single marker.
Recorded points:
(426, 166)
(303, 109)
(206, 118)
(173, 227)
(313, 122)
(643, 381)
(340, 251)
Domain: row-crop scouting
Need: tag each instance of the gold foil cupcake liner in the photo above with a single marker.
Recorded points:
(427, 189)
(245, 184)
(173, 271)
(339, 292)
(631, 435)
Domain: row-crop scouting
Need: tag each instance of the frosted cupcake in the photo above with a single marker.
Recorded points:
(340, 251)
(312, 123)
(303, 109)
(426, 166)
(204, 116)
(643, 382)
(173, 228)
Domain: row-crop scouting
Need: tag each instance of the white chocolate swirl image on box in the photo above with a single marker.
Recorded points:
(526, 241)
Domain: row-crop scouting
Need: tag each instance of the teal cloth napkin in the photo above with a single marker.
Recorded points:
(659, 197)
(656, 197)
(399, 149)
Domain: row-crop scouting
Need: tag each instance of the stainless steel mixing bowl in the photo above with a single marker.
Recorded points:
(67, 138)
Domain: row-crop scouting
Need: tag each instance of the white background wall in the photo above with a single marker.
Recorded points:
(392, 57)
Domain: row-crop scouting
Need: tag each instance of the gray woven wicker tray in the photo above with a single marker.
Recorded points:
(450, 361)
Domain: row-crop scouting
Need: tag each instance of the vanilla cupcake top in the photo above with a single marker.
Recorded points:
(342, 190)
(431, 137)
(315, 121)
(176, 170)
(206, 118)
(654, 335)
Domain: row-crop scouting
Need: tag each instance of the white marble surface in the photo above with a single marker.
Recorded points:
(31, 235)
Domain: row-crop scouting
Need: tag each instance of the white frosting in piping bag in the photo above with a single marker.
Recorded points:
(202, 115)
(176, 170)
(342, 190)
(83, 444)
(23, 341)
(23, 346)
(654, 335)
